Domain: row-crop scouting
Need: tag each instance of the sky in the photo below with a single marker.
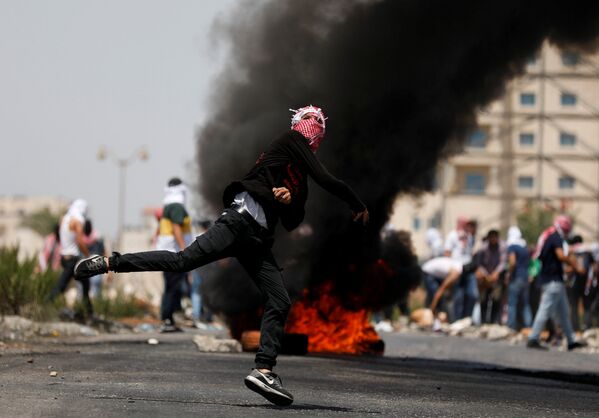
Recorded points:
(76, 76)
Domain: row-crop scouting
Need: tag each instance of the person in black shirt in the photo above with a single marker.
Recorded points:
(554, 300)
(276, 188)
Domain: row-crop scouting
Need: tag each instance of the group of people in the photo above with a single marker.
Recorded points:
(512, 282)
(74, 238)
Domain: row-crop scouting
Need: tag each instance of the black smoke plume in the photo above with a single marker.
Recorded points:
(400, 81)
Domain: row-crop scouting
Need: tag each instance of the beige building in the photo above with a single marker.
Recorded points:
(12, 211)
(539, 142)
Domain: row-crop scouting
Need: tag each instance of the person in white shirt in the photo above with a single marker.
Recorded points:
(73, 247)
(441, 274)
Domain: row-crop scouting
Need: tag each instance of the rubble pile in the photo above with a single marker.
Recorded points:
(18, 328)
(423, 320)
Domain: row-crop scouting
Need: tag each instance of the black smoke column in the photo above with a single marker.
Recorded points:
(400, 81)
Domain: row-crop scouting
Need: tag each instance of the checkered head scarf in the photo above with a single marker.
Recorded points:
(310, 122)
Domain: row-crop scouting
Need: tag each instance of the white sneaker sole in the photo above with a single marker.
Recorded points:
(267, 392)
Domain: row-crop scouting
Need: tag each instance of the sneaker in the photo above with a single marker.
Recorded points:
(270, 386)
(168, 325)
(576, 344)
(536, 345)
(90, 266)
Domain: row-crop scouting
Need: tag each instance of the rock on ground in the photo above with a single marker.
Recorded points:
(211, 344)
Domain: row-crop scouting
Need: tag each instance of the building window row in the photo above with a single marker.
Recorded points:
(479, 138)
(566, 139)
(564, 182)
(566, 99)
(569, 59)
(475, 183)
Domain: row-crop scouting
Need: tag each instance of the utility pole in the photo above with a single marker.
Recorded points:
(122, 164)
(541, 156)
(507, 166)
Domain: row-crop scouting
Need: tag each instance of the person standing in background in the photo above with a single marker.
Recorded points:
(490, 262)
(73, 246)
(174, 234)
(582, 284)
(517, 279)
(459, 245)
(434, 241)
(554, 301)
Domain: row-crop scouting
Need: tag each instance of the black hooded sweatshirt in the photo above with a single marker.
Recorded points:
(288, 162)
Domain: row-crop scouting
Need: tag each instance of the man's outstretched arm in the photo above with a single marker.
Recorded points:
(304, 157)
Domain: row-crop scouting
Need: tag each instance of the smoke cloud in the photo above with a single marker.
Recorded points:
(400, 81)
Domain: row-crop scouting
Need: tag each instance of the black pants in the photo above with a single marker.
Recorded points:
(171, 298)
(232, 235)
(576, 293)
(68, 272)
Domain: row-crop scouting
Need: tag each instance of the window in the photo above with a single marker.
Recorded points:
(568, 99)
(474, 183)
(416, 223)
(525, 182)
(527, 139)
(567, 182)
(570, 58)
(527, 99)
(478, 139)
(435, 221)
(567, 140)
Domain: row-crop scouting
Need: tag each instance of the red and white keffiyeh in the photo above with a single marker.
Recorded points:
(562, 225)
(310, 122)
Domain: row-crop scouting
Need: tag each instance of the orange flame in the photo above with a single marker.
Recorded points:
(330, 327)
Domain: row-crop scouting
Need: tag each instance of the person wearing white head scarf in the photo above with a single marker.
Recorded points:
(518, 287)
(434, 241)
(174, 234)
(73, 247)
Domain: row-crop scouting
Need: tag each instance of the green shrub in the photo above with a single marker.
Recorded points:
(121, 306)
(23, 291)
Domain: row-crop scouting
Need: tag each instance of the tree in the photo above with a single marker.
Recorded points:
(534, 219)
(41, 221)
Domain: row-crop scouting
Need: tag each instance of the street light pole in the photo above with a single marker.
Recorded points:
(122, 164)
(122, 185)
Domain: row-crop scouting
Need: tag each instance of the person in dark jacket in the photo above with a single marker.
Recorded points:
(276, 188)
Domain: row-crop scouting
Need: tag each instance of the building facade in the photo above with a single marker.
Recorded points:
(539, 142)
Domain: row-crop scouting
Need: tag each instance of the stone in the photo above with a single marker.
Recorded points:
(153, 341)
(460, 326)
(65, 329)
(495, 332)
(53, 374)
(591, 337)
(211, 344)
(422, 317)
(14, 327)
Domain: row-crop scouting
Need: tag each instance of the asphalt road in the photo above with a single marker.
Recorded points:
(124, 376)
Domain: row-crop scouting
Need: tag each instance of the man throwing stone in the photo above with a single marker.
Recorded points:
(276, 188)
